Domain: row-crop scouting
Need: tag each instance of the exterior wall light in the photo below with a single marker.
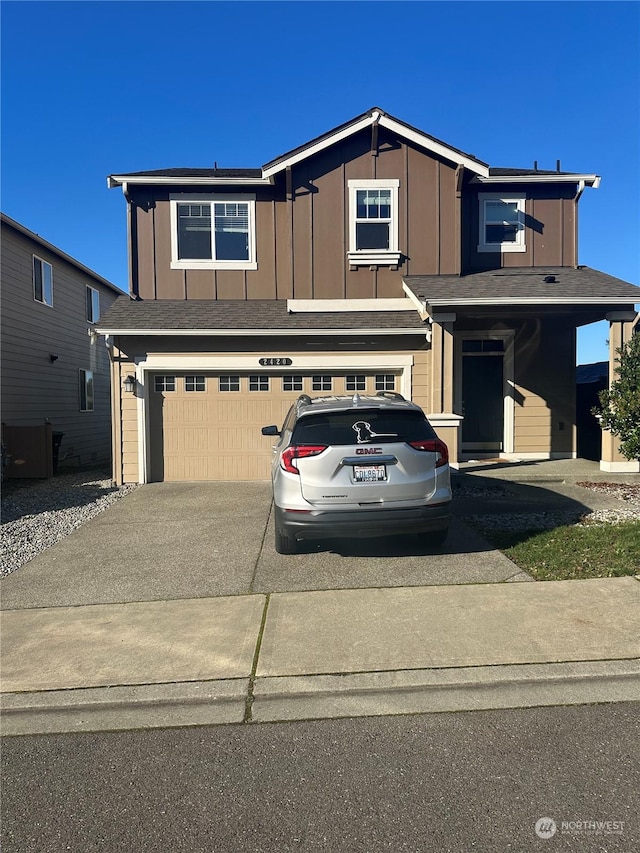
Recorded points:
(130, 384)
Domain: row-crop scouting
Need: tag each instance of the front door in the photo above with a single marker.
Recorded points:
(483, 395)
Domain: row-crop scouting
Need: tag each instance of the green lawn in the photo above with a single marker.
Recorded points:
(573, 551)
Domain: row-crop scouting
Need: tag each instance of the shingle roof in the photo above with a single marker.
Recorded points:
(499, 171)
(523, 283)
(588, 373)
(244, 315)
(180, 172)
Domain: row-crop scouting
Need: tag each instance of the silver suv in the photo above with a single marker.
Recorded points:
(358, 466)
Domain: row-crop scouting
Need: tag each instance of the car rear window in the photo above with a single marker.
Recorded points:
(376, 426)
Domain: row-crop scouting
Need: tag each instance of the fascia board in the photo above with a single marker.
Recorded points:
(267, 172)
(471, 163)
(560, 300)
(151, 180)
(337, 306)
(589, 180)
(258, 332)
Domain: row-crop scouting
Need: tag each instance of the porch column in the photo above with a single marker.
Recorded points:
(441, 415)
(620, 331)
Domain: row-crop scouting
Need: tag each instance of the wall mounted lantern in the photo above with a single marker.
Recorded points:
(130, 384)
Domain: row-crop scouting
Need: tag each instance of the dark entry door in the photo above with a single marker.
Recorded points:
(482, 401)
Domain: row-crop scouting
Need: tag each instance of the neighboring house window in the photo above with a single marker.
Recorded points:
(213, 232)
(501, 223)
(321, 383)
(86, 390)
(292, 383)
(373, 222)
(356, 383)
(165, 383)
(258, 383)
(194, 383)
(385, 382)
(93, 305)
(42, 281)
(229, 383)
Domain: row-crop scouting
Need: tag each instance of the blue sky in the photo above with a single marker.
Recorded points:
(95, 88)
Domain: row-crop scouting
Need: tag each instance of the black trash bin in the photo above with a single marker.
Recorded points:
(56, 441)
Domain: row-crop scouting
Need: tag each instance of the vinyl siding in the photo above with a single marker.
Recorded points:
(33, 388)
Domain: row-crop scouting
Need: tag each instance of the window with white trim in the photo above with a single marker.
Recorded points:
(227, 382)
(86, 390)
(258, 382)
(501, 222)
(373, 222)
(292, 383)
(321, 383)
(356, 382)
(165, 383)
(385, 382)
(213, 232)
(42, 281)
(93, 304)
(195, 383)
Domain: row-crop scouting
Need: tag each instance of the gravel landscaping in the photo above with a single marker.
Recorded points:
(38, 513)
(627, 494)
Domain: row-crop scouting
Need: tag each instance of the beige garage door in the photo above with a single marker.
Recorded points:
(206, 426)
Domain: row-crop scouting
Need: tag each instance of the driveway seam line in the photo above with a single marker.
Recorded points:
(260, 549)
(254, 665)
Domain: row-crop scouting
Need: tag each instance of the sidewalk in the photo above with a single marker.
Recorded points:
(301, 655)
(297, 653)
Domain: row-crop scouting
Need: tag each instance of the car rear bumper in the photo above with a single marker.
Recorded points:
(363, 523)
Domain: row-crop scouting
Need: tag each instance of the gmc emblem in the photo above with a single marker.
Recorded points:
(368, 451)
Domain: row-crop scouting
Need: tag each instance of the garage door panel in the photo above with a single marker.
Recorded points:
(214, 434)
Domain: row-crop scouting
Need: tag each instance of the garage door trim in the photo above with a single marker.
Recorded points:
(180, 364)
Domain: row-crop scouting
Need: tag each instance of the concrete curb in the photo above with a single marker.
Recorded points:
(286, 698)
(200, 703)
(451, 689)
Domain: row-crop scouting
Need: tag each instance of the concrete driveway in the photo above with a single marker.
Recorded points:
(192, 540)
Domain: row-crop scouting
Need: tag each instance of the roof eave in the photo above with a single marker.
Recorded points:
(417, 330)
(587, 180)
(527, 300)
(155, 180)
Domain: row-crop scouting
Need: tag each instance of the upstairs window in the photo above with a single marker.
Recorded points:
(42, 281)
(215, 234)
(93, 305)
(373, 226)
(501, 223)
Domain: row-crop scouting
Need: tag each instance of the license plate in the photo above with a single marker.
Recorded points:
(369, 473)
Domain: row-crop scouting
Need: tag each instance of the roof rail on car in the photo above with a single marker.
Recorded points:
(303, 400)
(392, 395)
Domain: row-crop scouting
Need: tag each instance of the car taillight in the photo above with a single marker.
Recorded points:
(299, 451)
(433, 445)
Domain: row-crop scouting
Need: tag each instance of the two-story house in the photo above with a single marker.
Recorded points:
(374, 257)
(55, 367)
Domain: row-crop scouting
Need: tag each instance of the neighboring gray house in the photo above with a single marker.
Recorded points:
(55, 371)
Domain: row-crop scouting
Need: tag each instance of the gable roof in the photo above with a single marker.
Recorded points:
(521, 286)
(375, 117)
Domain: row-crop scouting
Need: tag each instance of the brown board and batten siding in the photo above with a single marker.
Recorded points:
(302, 228)
(35, 388)
(550, 234)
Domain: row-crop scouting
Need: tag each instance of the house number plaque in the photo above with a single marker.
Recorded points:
(275, 362)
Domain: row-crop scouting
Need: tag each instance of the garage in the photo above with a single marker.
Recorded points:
(206, 425)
